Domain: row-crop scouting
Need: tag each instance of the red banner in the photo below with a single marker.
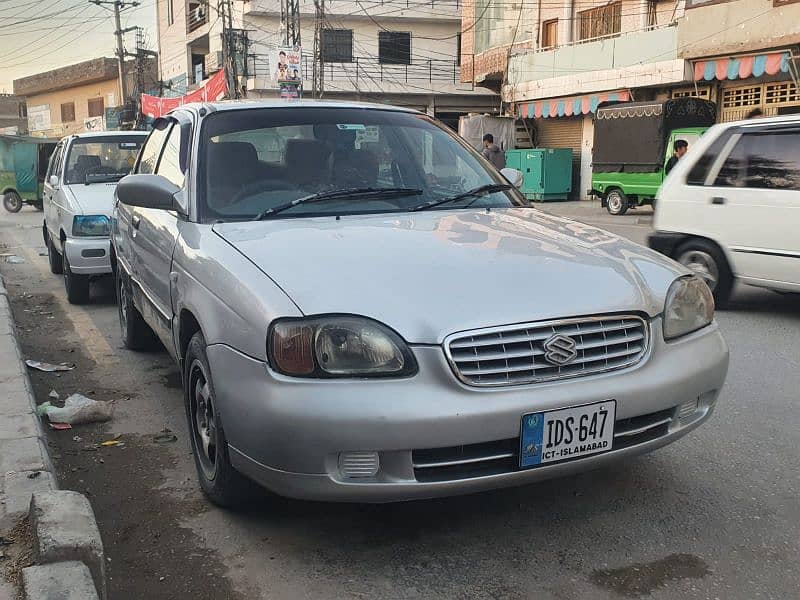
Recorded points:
(213, 90)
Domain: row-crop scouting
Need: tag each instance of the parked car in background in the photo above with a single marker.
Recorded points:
(633, 141)
(23, 163)
(730, 210)
(365, 310)
(78, 200)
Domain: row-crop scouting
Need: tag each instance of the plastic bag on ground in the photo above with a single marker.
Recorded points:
(80, 409)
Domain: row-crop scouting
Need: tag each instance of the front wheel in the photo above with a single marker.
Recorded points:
(223, 484)
(12, 201)
(136, 333)
(616, 202)
(77, 286)
(54, 258)
(708, 263)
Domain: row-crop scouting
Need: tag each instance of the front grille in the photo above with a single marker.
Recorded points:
(502, 456)
(515, 354)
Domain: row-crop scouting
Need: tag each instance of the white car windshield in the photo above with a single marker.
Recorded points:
(101, 159)
(352, 160)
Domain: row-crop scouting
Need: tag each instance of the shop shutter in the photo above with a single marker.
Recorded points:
(563, 132)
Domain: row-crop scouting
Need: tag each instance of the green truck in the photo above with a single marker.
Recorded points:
(633, 142)
(23, 165)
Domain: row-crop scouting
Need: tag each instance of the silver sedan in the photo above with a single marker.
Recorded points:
(365, 310)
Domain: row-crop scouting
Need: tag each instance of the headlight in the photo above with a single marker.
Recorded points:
(90, 226)
(689, 307)
(338, 346)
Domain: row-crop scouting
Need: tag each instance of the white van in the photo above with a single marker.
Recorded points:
(730, 209)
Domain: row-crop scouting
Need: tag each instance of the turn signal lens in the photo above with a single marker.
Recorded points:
(292, 348)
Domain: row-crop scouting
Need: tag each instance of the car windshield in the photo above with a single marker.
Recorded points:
(256, 160)
(101, 159)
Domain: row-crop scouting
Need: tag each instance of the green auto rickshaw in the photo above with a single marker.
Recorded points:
(23, 165)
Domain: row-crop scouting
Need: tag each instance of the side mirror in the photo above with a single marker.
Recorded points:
(515, 178)
(53, 181)
(147, 191)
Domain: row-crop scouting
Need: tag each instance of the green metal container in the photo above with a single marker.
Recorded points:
(547, 171)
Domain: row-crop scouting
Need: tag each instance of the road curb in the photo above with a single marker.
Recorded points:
(64, 525)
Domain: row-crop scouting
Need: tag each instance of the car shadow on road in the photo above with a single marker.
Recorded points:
(749, 299)
(102, 292)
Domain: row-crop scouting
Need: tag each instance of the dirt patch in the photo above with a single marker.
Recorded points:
(16, 553)
(644, 578)
(150, 555)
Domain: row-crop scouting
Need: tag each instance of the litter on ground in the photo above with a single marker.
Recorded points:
(77, 409)
(48, 367)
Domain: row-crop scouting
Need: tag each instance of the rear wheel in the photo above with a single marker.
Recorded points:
(136, 333)
(12, 201)
(53, 256)
(616, 202)
(710, 264)
(223, 484)
(77, 286)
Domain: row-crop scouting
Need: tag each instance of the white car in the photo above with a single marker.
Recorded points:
(78, 200)
(730, 210)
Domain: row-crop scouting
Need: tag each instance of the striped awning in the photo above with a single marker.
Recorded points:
(742, 67)
(569, 106)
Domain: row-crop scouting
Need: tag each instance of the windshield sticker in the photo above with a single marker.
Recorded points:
(351, 126)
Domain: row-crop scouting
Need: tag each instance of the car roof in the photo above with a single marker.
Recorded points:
(227, 105)
(766, 121)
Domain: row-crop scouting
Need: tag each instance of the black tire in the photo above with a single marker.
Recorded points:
(220, 482)
(12, 201)
(617, 203)
(77, 286)
(38, 206)
(135, 332)
(53, 256)
(708, 262)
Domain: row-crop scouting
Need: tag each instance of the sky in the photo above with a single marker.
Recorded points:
(41, 35)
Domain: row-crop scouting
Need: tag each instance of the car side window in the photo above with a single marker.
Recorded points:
(699, 172)
(148, 157)
(170, 164)
(55, 162)
(764, 160)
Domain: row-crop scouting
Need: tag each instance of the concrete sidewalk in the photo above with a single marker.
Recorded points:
(590, 211)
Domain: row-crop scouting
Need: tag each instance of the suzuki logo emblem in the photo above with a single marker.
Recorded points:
(560, 349)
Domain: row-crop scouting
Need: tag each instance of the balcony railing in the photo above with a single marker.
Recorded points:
(366, 70)
(196, 15)
(351, 7)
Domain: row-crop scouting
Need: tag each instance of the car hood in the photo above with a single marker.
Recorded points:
(93, 199)
(429, 274)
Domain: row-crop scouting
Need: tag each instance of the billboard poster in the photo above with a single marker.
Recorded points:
(39, 117)
(288, 72)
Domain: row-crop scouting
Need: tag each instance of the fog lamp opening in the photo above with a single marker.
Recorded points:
(353, 465)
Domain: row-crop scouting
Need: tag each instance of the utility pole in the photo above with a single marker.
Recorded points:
(318, 81)
(118, 7)
(290, 23)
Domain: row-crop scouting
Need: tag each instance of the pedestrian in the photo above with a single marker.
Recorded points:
(493, 153)
(754, 114)
(680, 147)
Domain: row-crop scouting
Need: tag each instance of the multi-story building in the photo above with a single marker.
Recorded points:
(13, 115)
(400, 52)
(554, 62)
(76, 98)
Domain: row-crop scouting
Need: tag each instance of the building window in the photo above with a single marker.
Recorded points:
(550, 33)
(23, 110)
(337, 45)
(394, 47)
(170, 12)
(600, 21)
(68, 112)
(96, 107)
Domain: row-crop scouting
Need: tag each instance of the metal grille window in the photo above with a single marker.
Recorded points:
(600, 21)
(781, 93)
(68, 112)
(96, 107)
(394, 47)
(522, 354)
(740, 97)
(700, 92)
(337, 45)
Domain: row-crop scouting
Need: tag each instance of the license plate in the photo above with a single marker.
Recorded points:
(566, 434)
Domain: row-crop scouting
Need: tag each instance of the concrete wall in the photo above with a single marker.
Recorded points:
(80, 96)
(12, 111)
(738, 26)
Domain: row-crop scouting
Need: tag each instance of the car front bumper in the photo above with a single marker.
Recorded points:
(88, 256)
(290, 434)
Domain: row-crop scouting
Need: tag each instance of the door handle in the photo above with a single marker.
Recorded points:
(718, 200)
(136, 221)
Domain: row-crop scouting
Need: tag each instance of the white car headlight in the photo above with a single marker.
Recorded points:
(689, 307)
(338, 346)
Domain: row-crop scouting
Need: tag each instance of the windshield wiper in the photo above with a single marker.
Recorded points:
(338, 194)
(477, 192)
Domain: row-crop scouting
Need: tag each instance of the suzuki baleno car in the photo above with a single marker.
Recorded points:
(365, 310)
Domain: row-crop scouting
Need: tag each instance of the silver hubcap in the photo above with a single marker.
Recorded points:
(703, 264)
(123, 307)
(614, 202)
(204, 419)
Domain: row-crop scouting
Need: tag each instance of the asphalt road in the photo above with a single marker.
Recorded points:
(716, 515)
